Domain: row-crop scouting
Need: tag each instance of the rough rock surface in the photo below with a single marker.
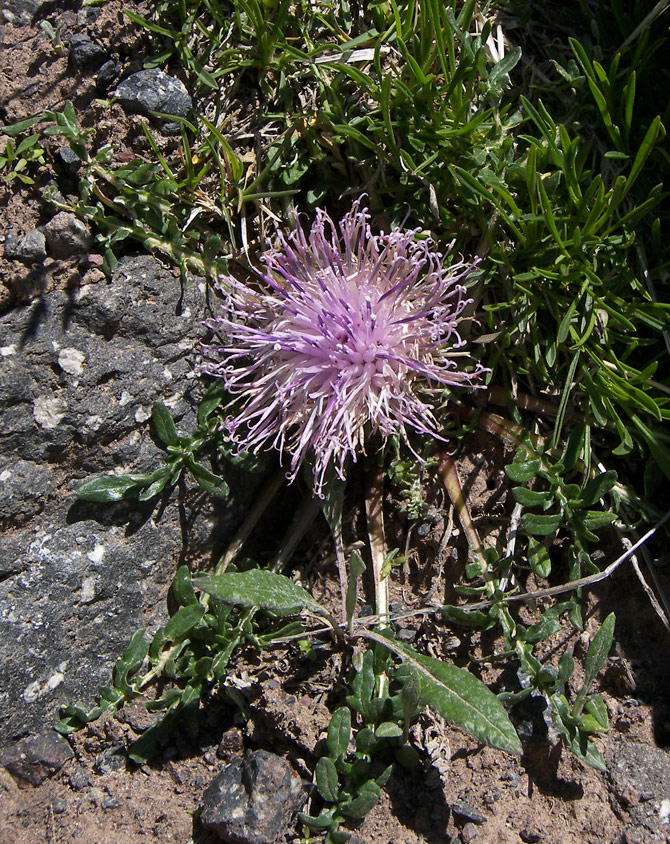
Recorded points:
(20, 12)
(66, 235)
(640, 778)
(35, 758)
(153, 90)
(79, 372)
(29, 249)
(253, 800)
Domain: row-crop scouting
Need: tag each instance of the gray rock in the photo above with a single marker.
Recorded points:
(69, 159)
(85, 54)
(153, 90)
(640, 781)
(35, 758)
(21, 12)
(253, 800)
(465, 810)
(108, 73)
(79, 373)
(29, 249)
(66, 235)
(110, 761)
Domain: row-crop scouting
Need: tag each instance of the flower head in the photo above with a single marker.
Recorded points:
(335, 344)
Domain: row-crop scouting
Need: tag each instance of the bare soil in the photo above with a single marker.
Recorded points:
(544, 796)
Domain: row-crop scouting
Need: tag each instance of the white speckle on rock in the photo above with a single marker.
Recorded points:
(142, 414)
(125, 399)
(48, 411)
(5, 476)
(87, 590)
(31, 692)
(71, 361)
(664, 811)
(8, 351)
(55, 680)
(96, 555)
(93, 423)
(167, 375)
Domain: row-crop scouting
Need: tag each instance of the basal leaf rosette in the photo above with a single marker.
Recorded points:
(338, 341)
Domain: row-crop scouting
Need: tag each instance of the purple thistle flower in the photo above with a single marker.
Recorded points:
(335, 347)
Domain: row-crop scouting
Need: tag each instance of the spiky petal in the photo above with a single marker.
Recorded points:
(333, 346)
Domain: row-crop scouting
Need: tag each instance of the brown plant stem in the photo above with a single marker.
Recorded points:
(375, 518)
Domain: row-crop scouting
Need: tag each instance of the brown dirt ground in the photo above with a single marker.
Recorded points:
(546, 795)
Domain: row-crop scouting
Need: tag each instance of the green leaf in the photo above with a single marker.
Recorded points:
(597, 487)
(459, 697)
(597, 711)
(324, 821)
(327, 780)
(182, 588)
(504, 66)
(599, 650)
(540, 524)
(15, 129)
(210, 482)
(367, 797)
(110, 488)
(210, 401)
(520, 473)
(164, 424)
(183, 621)
(136, 651)
(594, 519)
(388, 730)
(258, 588)
(339, 732)
(531, 497)
(575, 740)
(538, 558)
(466, 618)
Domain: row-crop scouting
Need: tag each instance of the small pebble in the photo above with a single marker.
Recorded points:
(469, 833)
(59, 806)
(465, 810)
(406, 635)
(111, 803)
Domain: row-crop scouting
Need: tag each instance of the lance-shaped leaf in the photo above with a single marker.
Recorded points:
(458, 696)
(257, 588)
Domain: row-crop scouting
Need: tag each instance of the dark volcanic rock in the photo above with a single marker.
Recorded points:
(85, 54)
(35, 758)
(29, 249)
(253, 800)
(153, 90)
(79, 373)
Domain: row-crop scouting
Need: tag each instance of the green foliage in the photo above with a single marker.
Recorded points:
(18, 160)
(180, 456)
